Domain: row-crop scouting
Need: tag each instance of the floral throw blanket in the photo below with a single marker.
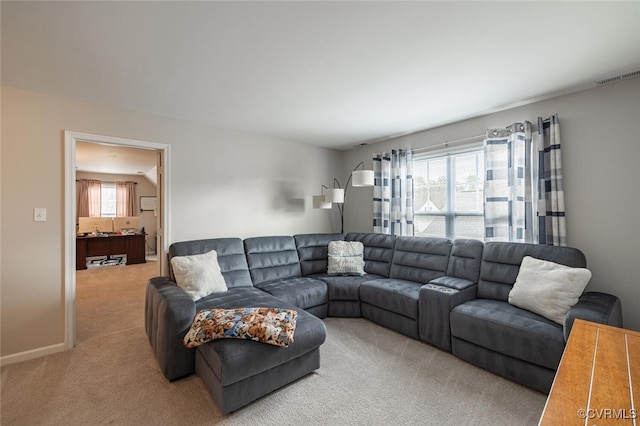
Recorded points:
(274, 326)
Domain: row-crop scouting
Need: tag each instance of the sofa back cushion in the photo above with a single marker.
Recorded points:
(312, 251)
(420, 259)
(231, 258)
(272, 258)
(465, 259)
(501, 264)
(378, 251)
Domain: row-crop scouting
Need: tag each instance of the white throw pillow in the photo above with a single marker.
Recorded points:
(547, 288)
(346, 258)
(199, 275)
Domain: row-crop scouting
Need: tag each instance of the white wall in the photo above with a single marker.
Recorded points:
(227, 183)
(223, 183)
(601, 151)
(251, 187)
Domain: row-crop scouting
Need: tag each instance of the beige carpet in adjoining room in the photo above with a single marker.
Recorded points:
(369, 375)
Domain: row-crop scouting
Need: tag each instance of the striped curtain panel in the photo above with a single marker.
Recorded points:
(393, 193)
(382, 193)
(508, 208)
(552, 229)
(524, 180)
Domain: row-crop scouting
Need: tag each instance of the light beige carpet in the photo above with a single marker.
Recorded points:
(369, 375)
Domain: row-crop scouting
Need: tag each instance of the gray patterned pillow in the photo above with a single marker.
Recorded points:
(346, 258)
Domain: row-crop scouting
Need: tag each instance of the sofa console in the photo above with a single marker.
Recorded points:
(454, 295)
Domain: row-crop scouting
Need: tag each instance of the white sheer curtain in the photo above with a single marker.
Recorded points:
(125, 198)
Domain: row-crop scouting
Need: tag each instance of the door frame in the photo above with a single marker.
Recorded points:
(70, 140)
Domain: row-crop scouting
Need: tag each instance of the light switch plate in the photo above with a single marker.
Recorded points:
(39, 214)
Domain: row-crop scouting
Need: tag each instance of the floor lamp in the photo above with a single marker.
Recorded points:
(336, 195)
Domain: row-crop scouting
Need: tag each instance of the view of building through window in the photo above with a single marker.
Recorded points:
(449, 194)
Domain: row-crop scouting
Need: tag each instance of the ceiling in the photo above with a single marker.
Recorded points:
(330, 73)
(113, 159)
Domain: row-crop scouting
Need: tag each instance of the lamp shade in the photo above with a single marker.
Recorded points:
(362, 178)
(335, 195)
(320, 203)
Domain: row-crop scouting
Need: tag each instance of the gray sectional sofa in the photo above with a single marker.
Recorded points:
(450, 294)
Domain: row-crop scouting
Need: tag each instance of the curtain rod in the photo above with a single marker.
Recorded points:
(457, 141)
(447, 143)
(534, 126)
(108, 181)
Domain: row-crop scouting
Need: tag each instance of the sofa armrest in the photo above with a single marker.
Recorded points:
(452, 282)
(169, 312)
(597, 307)
(435, 302)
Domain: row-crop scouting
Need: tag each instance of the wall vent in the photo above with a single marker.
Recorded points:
(620, 77)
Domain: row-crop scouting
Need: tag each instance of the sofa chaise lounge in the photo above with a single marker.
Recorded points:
(451, 294)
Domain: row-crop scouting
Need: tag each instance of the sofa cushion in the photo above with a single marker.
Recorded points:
(420, 259)
(238, 297)
(378, 251)
(272, 258)
(465, 259)
(231, 258)
(397, 296)
(346, 287)
(232, 360)
(303, 292)
(313, 250)
(507, 329)
(273, 326)
(199, 274)
(548, 288)
(501, 263)
(345, 258)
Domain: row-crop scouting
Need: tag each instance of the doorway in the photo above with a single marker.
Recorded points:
(162, 234)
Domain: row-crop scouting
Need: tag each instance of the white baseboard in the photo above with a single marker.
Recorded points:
(31, 354)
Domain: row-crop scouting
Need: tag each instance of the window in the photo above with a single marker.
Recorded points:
(108, 199)
(449, 194)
